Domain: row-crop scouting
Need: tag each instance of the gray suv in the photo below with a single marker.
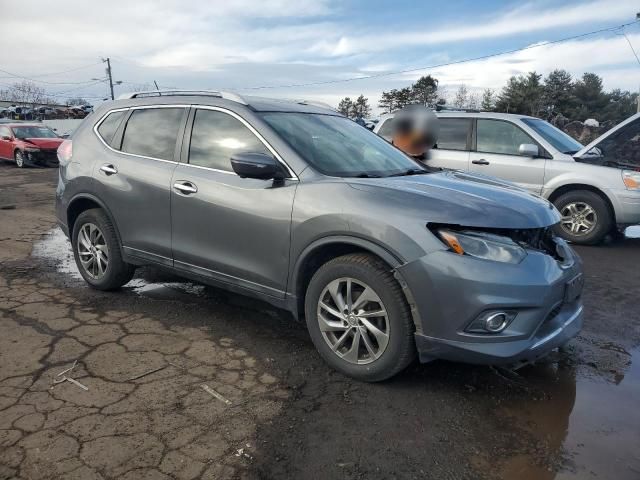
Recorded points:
(296, 205)
(596, 188)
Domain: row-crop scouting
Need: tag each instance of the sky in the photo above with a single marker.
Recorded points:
(263, 47)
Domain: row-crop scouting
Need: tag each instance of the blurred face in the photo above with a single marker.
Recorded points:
(416, 130)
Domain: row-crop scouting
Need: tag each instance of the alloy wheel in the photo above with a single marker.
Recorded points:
(578, 218)
(20, 159)
(353, 320)
(93, 251)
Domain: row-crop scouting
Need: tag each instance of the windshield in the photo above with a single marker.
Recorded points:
(560, 140)
(34, 132)
(339, 147)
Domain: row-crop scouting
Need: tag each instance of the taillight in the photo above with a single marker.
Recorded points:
(65, 151)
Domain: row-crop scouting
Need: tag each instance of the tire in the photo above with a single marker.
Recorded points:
(589, 208)
(369, 363)
(95, 227)
(19, 159)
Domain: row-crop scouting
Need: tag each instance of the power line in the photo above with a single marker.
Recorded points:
(75, 69)
(446, 64)
(13, 75)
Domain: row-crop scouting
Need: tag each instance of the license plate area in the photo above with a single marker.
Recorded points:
(573, 288)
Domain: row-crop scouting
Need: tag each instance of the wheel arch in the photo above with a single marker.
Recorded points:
(83, 202)
(321, 251)
(583, 186)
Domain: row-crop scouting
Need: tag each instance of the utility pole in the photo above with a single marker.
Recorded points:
(108, 70)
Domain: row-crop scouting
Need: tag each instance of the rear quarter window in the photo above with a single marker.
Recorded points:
(109, 126)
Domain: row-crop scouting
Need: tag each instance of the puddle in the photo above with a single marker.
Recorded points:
(587, 427)
(632, 232)
(56, 250)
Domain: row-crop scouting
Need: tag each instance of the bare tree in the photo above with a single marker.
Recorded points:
(25, 92)
(461, 99)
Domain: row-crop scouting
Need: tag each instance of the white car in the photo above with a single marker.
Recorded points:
(596, 188)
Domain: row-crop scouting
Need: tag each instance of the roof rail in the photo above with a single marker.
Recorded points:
(444, 108)
(316, 104)
(234, 97)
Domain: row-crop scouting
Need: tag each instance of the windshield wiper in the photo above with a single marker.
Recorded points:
(365, 175)
(410, 171)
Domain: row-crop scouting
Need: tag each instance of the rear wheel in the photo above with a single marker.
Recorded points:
(358, 318)
(20, 159)
(97, 251)
(586, 217)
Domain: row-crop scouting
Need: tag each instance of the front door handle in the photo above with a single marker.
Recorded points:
(184, 187)
(482, 161)
(109, 169)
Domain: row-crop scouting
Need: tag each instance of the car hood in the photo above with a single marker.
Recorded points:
(465, 199)
(47, 143)
(605, 135)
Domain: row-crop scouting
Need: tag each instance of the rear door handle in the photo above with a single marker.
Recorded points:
(482, 161)
(109, 169)
(184, 187)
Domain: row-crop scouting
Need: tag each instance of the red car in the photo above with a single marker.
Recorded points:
(29, 144)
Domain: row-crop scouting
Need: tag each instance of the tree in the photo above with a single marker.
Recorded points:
(462, 97)
(388, 101)
(425, 91)
(590, 97)
(522, 94)
(361, 108)
(558, 93)
(345, 107)
(25, 92)
(76, 101)
(488, 102)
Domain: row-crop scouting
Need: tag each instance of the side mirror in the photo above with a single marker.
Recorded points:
(528, 150)
(256, 165)
(6, 138)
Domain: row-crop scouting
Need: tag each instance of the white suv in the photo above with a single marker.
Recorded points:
(596, 188)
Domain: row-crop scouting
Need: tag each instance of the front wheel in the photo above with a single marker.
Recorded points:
(97, 251)
(20, 159)
(358, 318)
(586, 217)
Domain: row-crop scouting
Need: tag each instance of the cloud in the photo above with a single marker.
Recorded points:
(525, 19)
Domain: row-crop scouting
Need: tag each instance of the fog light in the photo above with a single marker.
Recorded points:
(491, 322)
(496, 322)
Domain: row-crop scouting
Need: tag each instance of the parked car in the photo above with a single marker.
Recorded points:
(29, 144)
(596, 188)
(296, 205)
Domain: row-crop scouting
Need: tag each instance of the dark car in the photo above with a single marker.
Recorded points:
(29, 144)
(292, 203)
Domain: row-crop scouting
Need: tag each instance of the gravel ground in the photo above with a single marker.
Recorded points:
(279, 411)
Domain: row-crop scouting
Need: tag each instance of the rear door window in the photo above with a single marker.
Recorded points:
(216, 136)
(109, 125)
(497, 136)
(153, 132)
(454, 133)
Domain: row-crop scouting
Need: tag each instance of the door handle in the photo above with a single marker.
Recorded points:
(186, 188)
(109, 169)
(482, 161)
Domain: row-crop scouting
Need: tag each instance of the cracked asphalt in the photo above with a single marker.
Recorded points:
(145, 352)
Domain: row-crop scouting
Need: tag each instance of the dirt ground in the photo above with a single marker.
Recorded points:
(187, 381)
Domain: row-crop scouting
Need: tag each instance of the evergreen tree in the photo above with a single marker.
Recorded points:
(425, 91)
(488, 100)
(558, 93)
(345, 107)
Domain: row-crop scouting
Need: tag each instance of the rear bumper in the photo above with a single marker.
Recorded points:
(451, 291)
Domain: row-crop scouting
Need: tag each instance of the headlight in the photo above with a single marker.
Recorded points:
(631, 179)
(483, 245)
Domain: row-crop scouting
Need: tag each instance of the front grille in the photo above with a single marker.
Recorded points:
(48, 156)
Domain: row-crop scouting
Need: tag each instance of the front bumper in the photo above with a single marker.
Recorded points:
(450, 291)
(47, 158)
(626, 204)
